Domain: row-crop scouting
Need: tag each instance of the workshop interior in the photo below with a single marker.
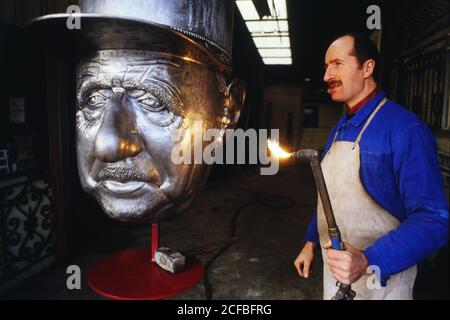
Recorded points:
(102, 102)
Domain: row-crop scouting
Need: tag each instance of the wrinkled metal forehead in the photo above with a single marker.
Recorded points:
(100, 32)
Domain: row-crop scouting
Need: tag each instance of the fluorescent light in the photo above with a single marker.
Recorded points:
(270, 33)
(280, 10)
(267, 26)
(277, 52)
(247, 9)
(277, 60)
(272, 42)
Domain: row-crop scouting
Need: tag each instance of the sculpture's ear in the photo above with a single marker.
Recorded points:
(234, 100)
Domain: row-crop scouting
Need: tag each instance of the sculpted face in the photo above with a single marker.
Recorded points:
(131, 108)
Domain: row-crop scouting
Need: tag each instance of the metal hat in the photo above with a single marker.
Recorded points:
(195, 30)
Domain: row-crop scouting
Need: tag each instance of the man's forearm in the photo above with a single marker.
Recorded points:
(310, 244)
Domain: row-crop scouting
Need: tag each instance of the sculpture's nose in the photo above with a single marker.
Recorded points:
(117, 137)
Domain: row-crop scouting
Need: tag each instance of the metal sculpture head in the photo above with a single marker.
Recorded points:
(145, 78)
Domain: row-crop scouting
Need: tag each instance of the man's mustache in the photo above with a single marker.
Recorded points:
(332, 83)
(122, 174)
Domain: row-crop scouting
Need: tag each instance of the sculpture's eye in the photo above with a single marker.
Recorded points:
(96, 100)
(155, 111)
(150, 103)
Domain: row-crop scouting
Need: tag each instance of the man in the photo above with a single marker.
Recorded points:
(386, 189)
(147, 72)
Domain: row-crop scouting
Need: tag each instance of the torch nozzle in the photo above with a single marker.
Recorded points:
(301, 154)
(306, 154)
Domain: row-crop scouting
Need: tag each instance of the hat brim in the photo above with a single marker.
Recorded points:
(104, 32)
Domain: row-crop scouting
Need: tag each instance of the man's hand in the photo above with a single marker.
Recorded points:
(305, 259)
(348, 265)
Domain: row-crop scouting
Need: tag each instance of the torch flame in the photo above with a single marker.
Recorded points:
(276, 150)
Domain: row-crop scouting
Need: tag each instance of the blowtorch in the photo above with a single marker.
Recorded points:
(344, 292)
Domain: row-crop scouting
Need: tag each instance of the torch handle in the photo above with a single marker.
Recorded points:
(325, 198)
(336, 241)
(344, 292)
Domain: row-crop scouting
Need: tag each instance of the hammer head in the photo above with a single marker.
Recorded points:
(170, 260)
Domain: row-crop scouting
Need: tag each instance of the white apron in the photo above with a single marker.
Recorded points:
(360, 220)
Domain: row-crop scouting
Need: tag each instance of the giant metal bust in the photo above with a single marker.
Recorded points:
(149, 69)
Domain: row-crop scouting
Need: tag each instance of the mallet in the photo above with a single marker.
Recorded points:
(174, 261)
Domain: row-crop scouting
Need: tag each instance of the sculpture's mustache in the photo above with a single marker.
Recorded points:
(122, 174)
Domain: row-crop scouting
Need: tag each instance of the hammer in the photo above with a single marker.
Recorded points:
(344, 292)
(174, 261)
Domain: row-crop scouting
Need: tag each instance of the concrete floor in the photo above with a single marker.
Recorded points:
(274, 214)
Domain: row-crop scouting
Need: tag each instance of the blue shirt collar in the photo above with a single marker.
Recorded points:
(365, 110)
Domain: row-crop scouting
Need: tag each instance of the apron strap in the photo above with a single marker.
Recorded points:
(365, 125)
(369, 121)
(335, 136)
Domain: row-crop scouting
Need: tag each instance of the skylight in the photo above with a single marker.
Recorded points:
(270, 33)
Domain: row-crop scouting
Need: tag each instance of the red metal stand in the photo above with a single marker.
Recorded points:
(132, 274)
